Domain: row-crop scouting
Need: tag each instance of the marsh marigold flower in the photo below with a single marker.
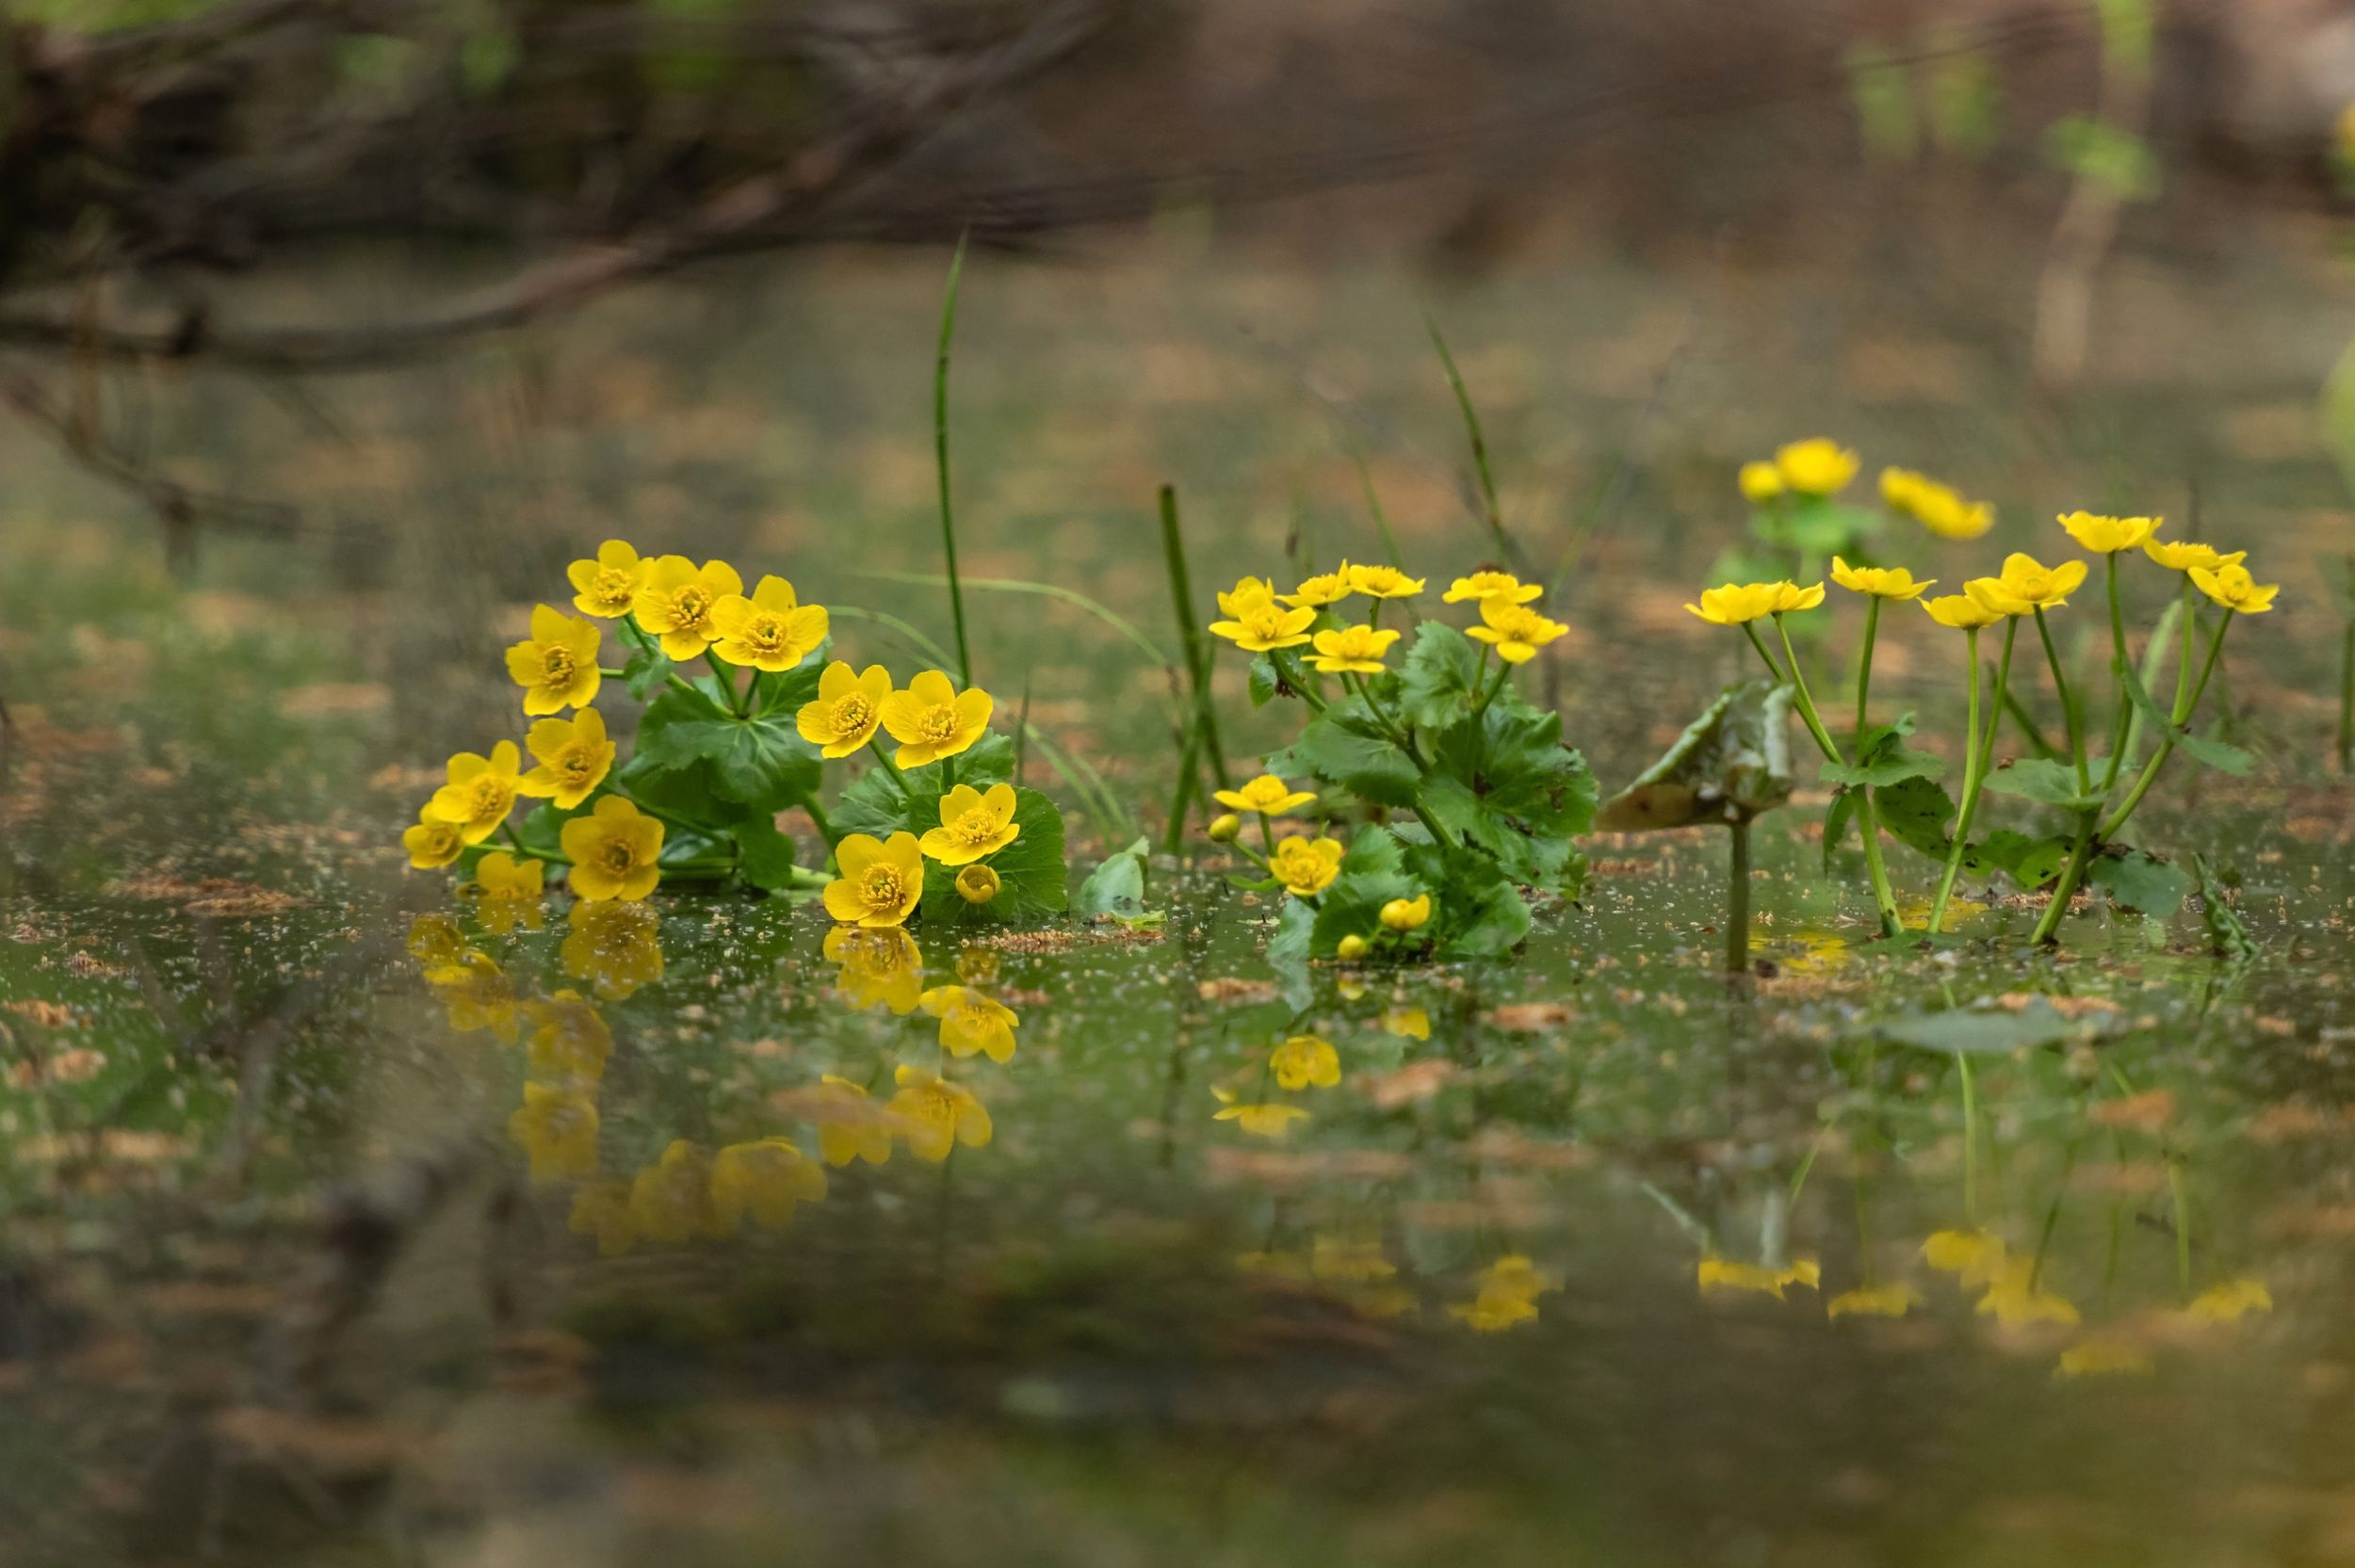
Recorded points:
(1734, 603)
(1351, 947)
(574, 755)
(671, 1200)
(1974, 1256)
(2107, 536)
(1960, 612)
(877, 964)
(2236, 590)
(932, 719)
(2230, 1301)
(435, 939)
(1328, 588)
(1383, 582)
(1817, 468)
(851, 1125)
(937, 1115)
(1306, 867)
(973, 823)
(847, 711)
(1256, 623)
(614, 851)
(1937, 508)
(2104, 1357)
(1716, 1274)
(1260, 1119)
(506, 890)
(1267, 795)
(977, 884)
(2182, 555)
(674, 601)
(1407, 914)
(433, 842)
(762, 1182)
(1515, 631)
(881, 880)
(1880, 582)
(569, 1038)
(480, 792)
(1873, 1301)
(1352, 649)
(615, 948)
(557, 1127)
(607, 587)
(1507, 1293)
(1304, 1061)
(477, 995)
(2027, 585)
(1481, 587)
(1761, 482)
(556, 665)
(771, 631)
(601, 1209)
(972, 1021)
(2014, 1298)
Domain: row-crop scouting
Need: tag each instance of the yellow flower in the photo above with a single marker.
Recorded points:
(970, 1022)
(557, 1127)
(1936, 506)
(1889, 582)
(1305, 866)
(671, 1200)
(1733, 604)
(1352, 648)
(1407, 1023)
(1383, 582)
(1817, 468)
(1960, 612)
(1351, 947)
(1719, 1274)
(477, 995)
(1260, 1120)
(771, 631)
(434, 942)
(614, 851)
(1351, 1262)
(1226, 827)
(1316, 593)
(977, 884)
(881, 880)
(1481, 587)
(1304, 1060)
(847, 711)
(1761, 482)
(1974, 1256)
(2107, 536)
(2236, 590)
(608, 586)
(2182, 555)
(556, 665)
(480, 792)
(850, 1124)
(877, 964)
(2027, 585)
(601, 1209)
(675, 599)
(615, 948)
(1267, 795)
(1878, 1300)
(972, 824)
(2230, 1301)
(938, 1114)
(763, 1180)
(571, 1040)
(2103, 1358)
(2013, 1299)
(1407, 914)
(1256, 623)
(1790, 596)
(1515, 631)
(507, 890)
(1508, 1290)
(932, 719)
(432, 842)
(575, 755)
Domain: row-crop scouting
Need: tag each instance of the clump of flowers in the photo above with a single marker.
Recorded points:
(742, 711)
(1461, 793)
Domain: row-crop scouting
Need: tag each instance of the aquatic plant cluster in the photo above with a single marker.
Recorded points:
(934, 824)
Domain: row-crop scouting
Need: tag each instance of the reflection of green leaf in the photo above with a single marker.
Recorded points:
(1997, 1031)
(1435, 682)
(2227, 937)
(1116, 887)
(2054, 784)
(1916, 811)
(1731, 764)
(2139, 880)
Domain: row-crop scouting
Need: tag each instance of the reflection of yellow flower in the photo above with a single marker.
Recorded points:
(556, 665)
(938, 1114)
(2100, 1357)
(1260, 1119)
(675, 599)
(1306, 867)
(1407, 1023)
(2236, 590)
(2230, 1301)
(571, 1040)
(1760, 482)
(1974, 1256)
(763, 1180)
(2107, 536)
(1256, 623)
(1507, 1294)
(615, 948)
(851, 1125)
(505, 890)
(2182, 555)
(477, 995)
(1913, 911)
(1721, 1274)
(1481, 587)
(972, 824)
(607, 585)
(480, 792)
(1960, 612)
(1267, 795)
(613, 851)
(601, 1209)
(557, 1127)
(880, 881)
(1407, 914)
(1316, 593)
(2027, 584)
(1515, 631)
(1877, 1301)
(1351, 648)
(1879, 582)
(1937, 508)
(932, 719)
(1384, 582)
(435, 941)
(2015, 1296)
(1817, 468)
(671, 1200)
(970, 1022)
(771, 630)
(432, 842)
(1304, 1060)
(847, 711)
(574, 755)
(977, 884)
(880, 963)
(1351, 1262)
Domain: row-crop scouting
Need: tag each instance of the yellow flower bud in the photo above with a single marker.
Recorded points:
(1224, 828)
(1407, 914)
(1761, 482)
(1352, 947)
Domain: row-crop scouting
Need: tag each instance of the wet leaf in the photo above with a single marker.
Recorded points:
(2031, 862)
(1436, 684)
(1345, 745)
(1917, 814)
(1731, 764)
(2140, 881)
(2054, 784)
(1116, 887)
(767, 855)
(2210, 754)
(762, 761)
(1974, 1031)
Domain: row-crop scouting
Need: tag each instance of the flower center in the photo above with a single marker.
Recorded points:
(617, 857)
(766, 635)
(883, 888)
(555, 664)
(688, 606)
(490, 796)
(853, 713)
(938, 725)
(612, 587)
(976, 826)
(574, 764)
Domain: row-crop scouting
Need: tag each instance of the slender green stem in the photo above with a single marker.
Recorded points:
(874, 744)
(1288, 668)
(724, 674)
(1437, 828)
(655, 812)
(1749, 629)
(818, 820)
(609, 672)
(940, 450)
(2089, 817)
(1738, 898)
(507, 830)
(2185, 706)
(1884, 899)
(1504, 673)
(2125, 716)
(2190, 629)
(2069, 707)
(1189, 634)
(2346, 699)
(1970, 792)
(1492, 514)
(1864, 667)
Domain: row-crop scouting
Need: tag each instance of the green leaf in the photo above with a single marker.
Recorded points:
(1485, 915)
(1033, 880)
(1731, 764)
(1883, 758)
(1437, 682)
(1262, 682)
(1916, 812)
(647, 668)
(1836, 818)
(1116, 887)
(874, 804)
(2140, 881)
(2031, 862)
(1504, 781)
(1344, 745)
(2209, 753)
(2054, 784)
(783, 692)
(1288, 946)
(1817, 525)
(2227, 937)
(1974, 1032)
(766, 855)
(682, 792)
(756, 762)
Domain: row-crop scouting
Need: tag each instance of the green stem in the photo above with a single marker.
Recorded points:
(726, 673)
(2346, 700)
(940, 450)
(1289, 666)
(2069, 707)
(1864, 667)
(1491, 512)
(2089, 818)
(2185, 708)
(1749, 629)
(1970, 792)
(1189, 634)
(2125, 670)
(874, 744)
(818, 820)
(1884, 901)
